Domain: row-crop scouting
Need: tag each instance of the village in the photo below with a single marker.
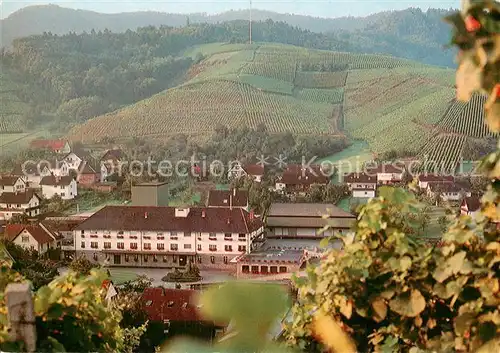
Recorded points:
(221, 237)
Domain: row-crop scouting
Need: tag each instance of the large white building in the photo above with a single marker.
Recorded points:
(167, 236)
(63, 186)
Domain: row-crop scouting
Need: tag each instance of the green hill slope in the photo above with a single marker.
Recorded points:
(393, 104)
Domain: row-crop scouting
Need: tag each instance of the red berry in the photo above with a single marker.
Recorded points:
(496, 91)
(471, 24)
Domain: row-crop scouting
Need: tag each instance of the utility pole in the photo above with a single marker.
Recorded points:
(250, 23)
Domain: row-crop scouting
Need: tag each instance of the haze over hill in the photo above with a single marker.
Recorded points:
(410, 33)
(332, 8)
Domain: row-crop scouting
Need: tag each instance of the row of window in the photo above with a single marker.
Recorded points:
(211, 236)
(263, 269)
(173, 247)
(145, 258)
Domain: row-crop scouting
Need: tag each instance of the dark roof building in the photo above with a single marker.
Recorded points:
(470, 204)
(52, 180)
(8, 180)
(174, 305)
(254, 169)
(114, 155)
(360, 178)
(227, 198)
(18, 198)
(136, 218)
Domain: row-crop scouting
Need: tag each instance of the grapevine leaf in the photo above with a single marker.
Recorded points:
(408, 304)
(331, 334)
(379, 309)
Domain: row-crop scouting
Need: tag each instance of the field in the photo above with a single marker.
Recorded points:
(393, 104)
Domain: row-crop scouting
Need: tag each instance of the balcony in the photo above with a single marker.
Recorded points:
(94, 236)
(107, 236)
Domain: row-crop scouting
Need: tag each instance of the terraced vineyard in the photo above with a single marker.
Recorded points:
(393, 104)
(11, 107)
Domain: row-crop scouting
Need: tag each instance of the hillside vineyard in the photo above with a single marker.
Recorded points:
(394, 104)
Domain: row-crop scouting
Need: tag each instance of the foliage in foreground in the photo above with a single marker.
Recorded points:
(71, 315)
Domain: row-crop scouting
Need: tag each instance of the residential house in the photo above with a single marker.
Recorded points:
(75, 158)
(178, 310)
(11, 183)
(299, 179)
(56, 167)
(228, 198)
(111, 163)
(57, 146)
(31, 173)
(63, 186)
(31, 237)
(65, 226)
(255, 171)
(425, 179)
(15, 203)
(387, 173)
(87, 176)
(362, 185)
(470, 206)
(150, 194)
(447, 191)
(169, 237)
(305, 220)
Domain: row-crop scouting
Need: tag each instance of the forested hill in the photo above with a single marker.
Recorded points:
(78, 76)
(410, 33)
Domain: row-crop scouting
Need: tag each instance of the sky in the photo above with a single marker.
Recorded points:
(319, 8)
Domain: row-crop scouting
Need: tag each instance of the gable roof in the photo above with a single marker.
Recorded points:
(316, 210)
(18, 197)
(54, 145)
(296, 175)
(28, 169)
(113, 154)
(171, 304)
(41, 235)
(473, 203)
(86, 168)
(52, 180)
(136, 218)
(385, 168)
(360, 178)
(434, 178)
(254, 169)
(12, 230)
(8, 180)
(445, 187)
(62, 225)
(225, 198)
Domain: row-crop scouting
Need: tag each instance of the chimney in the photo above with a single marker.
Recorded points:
(229, 221)
(203, 214)
(230, 202)
(145, 215)
(252, 215)
(234, 192)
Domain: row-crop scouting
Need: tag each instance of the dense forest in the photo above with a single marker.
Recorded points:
(410, 33)
(79, 76)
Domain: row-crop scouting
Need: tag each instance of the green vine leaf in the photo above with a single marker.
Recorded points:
(409, 304)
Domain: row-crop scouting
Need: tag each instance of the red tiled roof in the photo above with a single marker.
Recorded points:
(153, 218)
(360, 178)
(12, 230)
(254, 169)
(225, 198)
(434, 178)
(56, 181)
(171, 304)
(18, 197)
(52, 144)
(8, 180)
(36, 231)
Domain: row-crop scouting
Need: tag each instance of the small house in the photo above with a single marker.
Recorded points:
(63, 186)
(387, 173)
(12, 183)
(362, 185)
(15, 203)
(228, 198)
(31, 237)
(447, 191)
(470, 205)
(56, 146)
(425, 179)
